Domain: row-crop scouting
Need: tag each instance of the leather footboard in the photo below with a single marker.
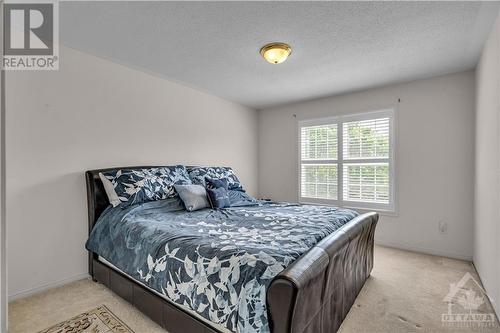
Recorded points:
(315, 293)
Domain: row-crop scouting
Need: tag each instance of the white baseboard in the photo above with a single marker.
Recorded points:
(43, 287)
(407, 247)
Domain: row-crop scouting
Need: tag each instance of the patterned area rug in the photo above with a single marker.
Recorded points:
(98, 320)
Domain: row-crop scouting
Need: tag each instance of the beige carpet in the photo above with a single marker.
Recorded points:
(35, 313)
(404, 294)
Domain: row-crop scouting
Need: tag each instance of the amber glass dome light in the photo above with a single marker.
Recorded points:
(276, 53)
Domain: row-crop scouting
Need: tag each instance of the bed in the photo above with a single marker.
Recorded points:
(259, 267)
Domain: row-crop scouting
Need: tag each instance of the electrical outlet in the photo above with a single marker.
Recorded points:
(442, 227)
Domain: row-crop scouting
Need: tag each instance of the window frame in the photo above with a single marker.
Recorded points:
(340, 162)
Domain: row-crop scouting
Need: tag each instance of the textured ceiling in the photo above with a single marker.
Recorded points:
(337, 46)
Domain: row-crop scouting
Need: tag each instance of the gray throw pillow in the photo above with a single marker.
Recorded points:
(194, 197)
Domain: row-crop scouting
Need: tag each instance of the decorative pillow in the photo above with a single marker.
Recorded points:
(141, 185)
(199, 174)
(218, 197)
(238, 199)
(216, 183)
(110, 190)
(194, 197)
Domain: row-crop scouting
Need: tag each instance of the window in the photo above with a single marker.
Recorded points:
(348, 160)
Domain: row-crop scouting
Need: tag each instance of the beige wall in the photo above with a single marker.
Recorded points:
(434, 156)
(92, 114)
(487, 186)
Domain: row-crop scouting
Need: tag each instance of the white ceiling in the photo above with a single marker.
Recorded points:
(337, 46)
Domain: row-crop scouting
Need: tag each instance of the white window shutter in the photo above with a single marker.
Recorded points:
(348, 161)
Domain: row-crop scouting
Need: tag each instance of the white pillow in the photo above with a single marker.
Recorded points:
(110, 190)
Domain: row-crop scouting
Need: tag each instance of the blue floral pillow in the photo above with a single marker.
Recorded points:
(141, 185)
(239, 199)
(198, 176)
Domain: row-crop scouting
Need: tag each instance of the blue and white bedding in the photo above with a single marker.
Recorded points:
(217, 263)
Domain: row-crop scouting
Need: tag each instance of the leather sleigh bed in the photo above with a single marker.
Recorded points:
(313, 294)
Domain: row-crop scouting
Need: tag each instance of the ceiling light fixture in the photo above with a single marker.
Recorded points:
(275, 53)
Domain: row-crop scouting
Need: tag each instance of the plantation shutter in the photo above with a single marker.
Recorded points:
(366, 146)
(319, 152)
(348, 160)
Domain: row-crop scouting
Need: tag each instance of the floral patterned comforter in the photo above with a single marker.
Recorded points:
(217, 263)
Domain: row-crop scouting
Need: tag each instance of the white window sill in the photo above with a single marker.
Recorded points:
(380, 211)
